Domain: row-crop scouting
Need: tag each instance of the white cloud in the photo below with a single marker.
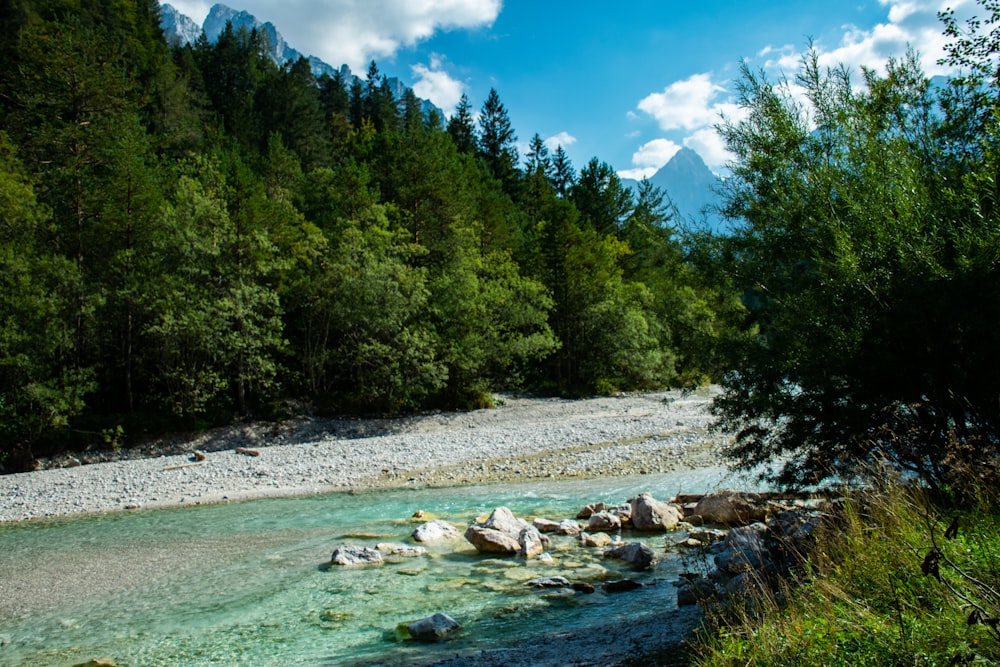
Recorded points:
(563, 139)
(707, 143)
(357, 31)
(684, 104)
(435, 84)
(649, 158)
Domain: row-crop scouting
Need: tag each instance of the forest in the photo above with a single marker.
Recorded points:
(195, 235)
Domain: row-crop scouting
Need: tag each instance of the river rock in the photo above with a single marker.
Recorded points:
(400, 550)
(436, 531)
(603, 522)
(636, 553)
(620, 586)
(532, 542)
(503, 519)
(651, 514)
(350, 555)
(595, 540)
(433, 628)
(623, 512)
(491, 541)
(545, 525)
(550, 582)
(706, 536)
(731, 508)
(568, 527)
(591, 509)
(743, 550)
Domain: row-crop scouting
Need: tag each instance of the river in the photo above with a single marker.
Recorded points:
(248, 583)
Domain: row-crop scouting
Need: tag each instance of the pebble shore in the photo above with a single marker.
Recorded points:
(522, 438)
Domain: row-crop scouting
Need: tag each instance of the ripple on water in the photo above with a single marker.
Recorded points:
(245, 583)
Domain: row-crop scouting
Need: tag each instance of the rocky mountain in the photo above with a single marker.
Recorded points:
(689, 183)
(180, 29)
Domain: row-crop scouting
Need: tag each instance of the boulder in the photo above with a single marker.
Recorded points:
(593, 508)
(623, 512)
(350, 555)
(731, 508)
(436, 531)
(651, 514)
(636, 553)
(743, 550)
(603, 522)
(706, 536)
(568, 527)
(491, 541)
(620, 586)
(433, 628)
(545, 525)
(696, 591)
(503, 519)
(532, 543)
(582, 587)
(595, 540)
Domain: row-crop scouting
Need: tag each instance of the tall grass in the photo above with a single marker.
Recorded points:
(895, 579)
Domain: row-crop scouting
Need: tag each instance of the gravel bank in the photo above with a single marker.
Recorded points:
(524, 438)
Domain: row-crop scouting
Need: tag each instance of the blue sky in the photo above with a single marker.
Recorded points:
(629, 82)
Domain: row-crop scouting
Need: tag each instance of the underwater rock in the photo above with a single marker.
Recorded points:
(400, 550)
(595, 540)
(550, 582)
(620, 586)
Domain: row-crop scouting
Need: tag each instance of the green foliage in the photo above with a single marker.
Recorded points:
(868, 260)
(873, 594)
(195, 234)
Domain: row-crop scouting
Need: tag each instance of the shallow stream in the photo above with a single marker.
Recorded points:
(248, 583)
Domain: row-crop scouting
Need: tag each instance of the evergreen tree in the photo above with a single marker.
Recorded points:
(461, 127)
(496, 141)
(562, 175)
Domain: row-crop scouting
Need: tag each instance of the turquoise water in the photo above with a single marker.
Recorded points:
(247, 583)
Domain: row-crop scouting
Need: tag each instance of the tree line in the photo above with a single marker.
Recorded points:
(192, 234)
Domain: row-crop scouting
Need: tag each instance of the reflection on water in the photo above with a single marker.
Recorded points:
(246, 583)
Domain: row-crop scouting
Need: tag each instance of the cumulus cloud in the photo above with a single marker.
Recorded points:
(433, 83)
(649, 158)
(683, 104)
(357, 31)
(707, 143)
(563, 139)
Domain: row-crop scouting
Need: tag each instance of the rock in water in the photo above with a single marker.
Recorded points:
(603, 522)
(532, 542)
(350, 555)
(651, 514)
(433, 628)
(635, 553)
(731, 508)
(503, 519)
(490, 541)
(436, 531)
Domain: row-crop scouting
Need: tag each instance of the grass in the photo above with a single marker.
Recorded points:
(883, 586)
